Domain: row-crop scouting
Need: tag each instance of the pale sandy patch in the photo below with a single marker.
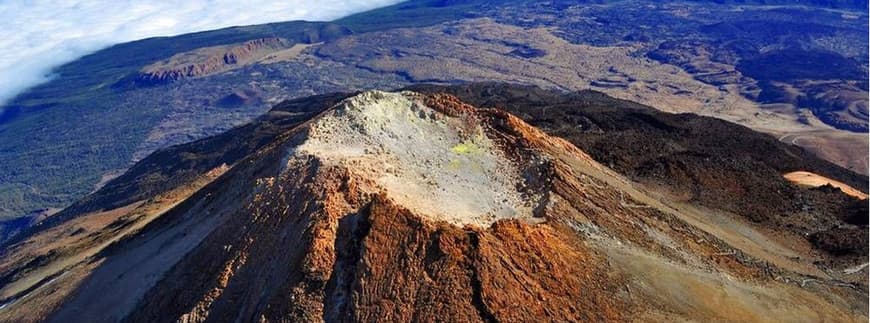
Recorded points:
(815, 180)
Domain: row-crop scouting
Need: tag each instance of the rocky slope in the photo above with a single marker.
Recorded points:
(404, 207)
(697, 159)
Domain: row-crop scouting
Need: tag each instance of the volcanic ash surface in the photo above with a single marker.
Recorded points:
(439, 166)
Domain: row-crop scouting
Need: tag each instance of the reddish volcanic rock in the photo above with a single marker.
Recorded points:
(410, 207)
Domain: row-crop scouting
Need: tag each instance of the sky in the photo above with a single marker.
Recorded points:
(38, 35)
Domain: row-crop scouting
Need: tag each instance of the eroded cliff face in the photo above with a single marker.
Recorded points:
(411, 207)
(210, 60)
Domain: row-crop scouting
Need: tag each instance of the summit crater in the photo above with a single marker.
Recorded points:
(441, 163)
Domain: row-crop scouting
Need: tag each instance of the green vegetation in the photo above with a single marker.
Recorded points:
(55, 156)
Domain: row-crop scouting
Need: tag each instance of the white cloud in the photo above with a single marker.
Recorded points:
(38, 35)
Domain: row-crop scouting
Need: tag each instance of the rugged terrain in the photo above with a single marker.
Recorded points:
(432, 204)
(794, 69)
(701, 160)
(211, 60)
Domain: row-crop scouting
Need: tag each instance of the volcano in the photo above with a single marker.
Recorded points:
(403, 206)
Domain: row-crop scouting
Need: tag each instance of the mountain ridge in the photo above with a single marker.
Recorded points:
(226, 224)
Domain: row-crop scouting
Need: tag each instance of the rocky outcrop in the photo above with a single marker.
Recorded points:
(209, 60)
